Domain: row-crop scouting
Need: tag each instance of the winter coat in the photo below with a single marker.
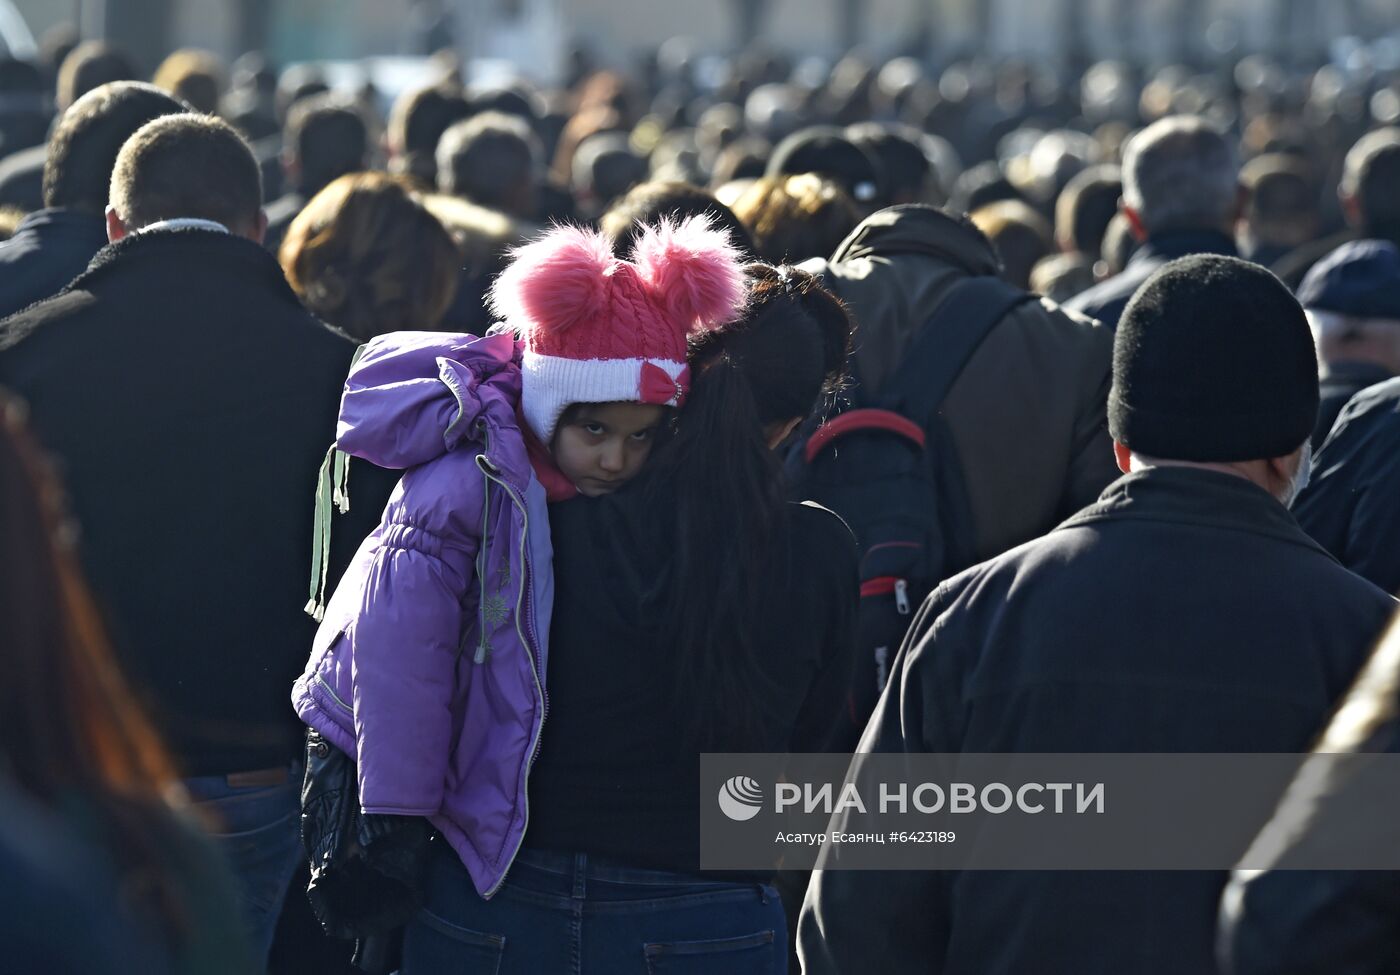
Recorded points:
(49, 249)
(429, 665)
(190, 397)
(1340, 382)
(1352, 506)
(1107, 300)
(1026, 413)
(1184, 612)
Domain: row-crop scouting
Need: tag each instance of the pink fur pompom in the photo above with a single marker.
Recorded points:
(693, 271)
(554, 282)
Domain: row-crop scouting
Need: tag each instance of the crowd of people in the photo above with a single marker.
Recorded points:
(1093, 376)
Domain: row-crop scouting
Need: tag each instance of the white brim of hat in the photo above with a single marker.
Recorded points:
(550, 384)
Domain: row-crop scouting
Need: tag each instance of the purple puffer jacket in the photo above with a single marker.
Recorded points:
(429, 665)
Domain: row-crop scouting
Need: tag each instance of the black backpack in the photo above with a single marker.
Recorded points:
(887, 465)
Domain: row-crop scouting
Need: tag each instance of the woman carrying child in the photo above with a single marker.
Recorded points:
(429, 666)
(694, 610)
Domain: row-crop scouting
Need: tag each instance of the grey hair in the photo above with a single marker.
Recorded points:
(1181, 173)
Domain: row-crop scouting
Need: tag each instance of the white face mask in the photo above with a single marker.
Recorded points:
(1300, 478)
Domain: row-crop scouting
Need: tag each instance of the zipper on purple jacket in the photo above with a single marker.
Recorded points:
(491, 470)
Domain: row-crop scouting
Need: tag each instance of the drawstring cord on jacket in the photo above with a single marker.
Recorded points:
(332, 487)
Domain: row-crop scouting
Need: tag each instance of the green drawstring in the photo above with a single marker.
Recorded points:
(332, 487)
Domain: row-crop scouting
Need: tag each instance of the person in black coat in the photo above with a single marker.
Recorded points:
(1181, 195)
(190, 398)
(1185, 611)
(1352, 298)
(52, 246)
(1353, 507)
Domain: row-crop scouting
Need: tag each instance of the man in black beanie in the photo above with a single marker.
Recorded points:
(1184, 611)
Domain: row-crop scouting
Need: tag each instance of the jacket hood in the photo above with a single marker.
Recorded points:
(914, 228)
(413, 396)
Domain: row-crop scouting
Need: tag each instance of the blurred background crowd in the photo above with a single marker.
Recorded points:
(497, 133)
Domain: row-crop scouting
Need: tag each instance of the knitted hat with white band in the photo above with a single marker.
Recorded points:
(599, 329)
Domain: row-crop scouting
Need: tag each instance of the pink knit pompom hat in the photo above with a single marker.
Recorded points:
(599, 329)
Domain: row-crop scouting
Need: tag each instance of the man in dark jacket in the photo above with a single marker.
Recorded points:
(53, 246)
(1352, 298)
(324, 138)
(1026, 412)
(1181, 195)
(190, 399)
(88, 66)
(1353, 507)
(1185, 611)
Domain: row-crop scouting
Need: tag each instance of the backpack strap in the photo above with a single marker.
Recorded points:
(947, 341)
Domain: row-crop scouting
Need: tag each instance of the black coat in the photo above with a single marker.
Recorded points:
(190, 400)
(50, 248)
(1352, 506)
(1342, 381)
(1184, 612)
(1106, 300)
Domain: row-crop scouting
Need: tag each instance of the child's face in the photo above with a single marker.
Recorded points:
(602, 446)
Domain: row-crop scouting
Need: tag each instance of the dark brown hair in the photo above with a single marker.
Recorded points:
(84, 146)
(721, 493)
(368, 257)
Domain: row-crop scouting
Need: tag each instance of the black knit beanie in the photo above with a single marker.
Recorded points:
(1213, 361)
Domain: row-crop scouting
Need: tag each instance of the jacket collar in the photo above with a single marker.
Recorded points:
(179, 250)
(913, 228)
(1191, 495)
(1168, 246)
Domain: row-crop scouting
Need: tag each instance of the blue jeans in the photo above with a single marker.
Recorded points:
(562, 913)
(258, 830)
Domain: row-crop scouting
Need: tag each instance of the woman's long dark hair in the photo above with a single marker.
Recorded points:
(69, 727)
(723, 489)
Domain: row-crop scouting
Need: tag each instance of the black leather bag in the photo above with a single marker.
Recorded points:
(366, 870)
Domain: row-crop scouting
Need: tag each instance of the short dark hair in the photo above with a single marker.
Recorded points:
(906, 168)
(186, 166)
(980, 185)
(647, 203)
(1085, 206)
(417, 123)
(1282, 192)
(192, 75)
(84, 146)
(487, 158)
(327, 138)
(1371, 175)
(90, 64)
